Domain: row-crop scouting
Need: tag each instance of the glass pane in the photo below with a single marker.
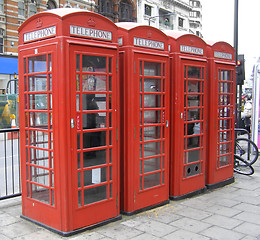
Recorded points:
(25, 83)
(152, 164)
(224, 148)
(225, 100)
(38, 83)
(152, 85)
(94, 64)
(194, 72)
(152, 101)
(194, 87)
(224, 124)
(225, 75)
(95, 194)
(39, 139)
(193, 169)
(224, 87)
(94, 102)
(193, 142)
(224, 136)
(110, 65)
(152, 69)
(94, 139)
(49, 63)
(193, 101)
(152, 180)
(223, 161)
(77, 82)
(39, 157)
(193, 114)
(78, 62)
(39, 120)
(152, 133)
(50, 82)
(151, 149)
(37, 64)
(151, 117)
(95, 176)
(224, 112)
(40, 193)
(94, 120)
(94, 83)
(39, 175)
(94, 158)
(38, 101)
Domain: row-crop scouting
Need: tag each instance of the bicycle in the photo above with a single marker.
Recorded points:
(245, 154)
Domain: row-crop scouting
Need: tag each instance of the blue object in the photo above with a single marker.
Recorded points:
(8, 65)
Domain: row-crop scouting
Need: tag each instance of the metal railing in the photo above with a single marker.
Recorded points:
(10, 178)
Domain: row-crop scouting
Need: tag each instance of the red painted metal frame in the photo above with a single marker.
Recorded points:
(221, 58)
(194, 54)
(64, 215)
(134, 199)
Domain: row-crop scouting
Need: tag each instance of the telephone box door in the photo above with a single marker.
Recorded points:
(151, 166)
(94, 134)
(193, 125)
(225, 121)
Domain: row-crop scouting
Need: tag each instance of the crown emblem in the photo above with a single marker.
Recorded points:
(91, 22)
(39, 23)
(149, 34)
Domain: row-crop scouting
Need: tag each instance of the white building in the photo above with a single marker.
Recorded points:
(179, 15)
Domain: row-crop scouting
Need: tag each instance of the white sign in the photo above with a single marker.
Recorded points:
(96, 175)
(91, 33)
(39, 34)
(148, 43)
(193, 50)
(223, 55)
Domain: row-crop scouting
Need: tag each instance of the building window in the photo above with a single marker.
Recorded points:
(105, 7)
(1, 5)
(21, 9)
(125, 11)
(147, 10)
(181, 22)
(1, 44)
(32, 8)
(51, 4)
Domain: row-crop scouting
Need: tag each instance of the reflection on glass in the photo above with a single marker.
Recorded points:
(49, 63)
(194, 87)
(152, 148)
(40, 175)
(38, 101)
(152, 180)
(94, 64)
(152, 164)
(94, 120)
(151, 101)
(38, 83)
(94, 139)
(152, 85)
(94, 83)
(39, 139)
(193, 101)
(39, 157)
(94, 158)
(224, 124)
(95, 194)
(37, 64)
(152, 69)
(94, 102)
(224, 161)
(225, 75)
(224, 112)
(193, 114)
(193, 156)
(152, 133)
(194, 72)
(224, 148)
(224, 136)
(151, 117)
(224, 87)
(95, 176)
(224, 100)
(38, 120)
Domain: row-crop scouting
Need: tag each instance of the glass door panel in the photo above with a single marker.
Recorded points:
(152, 124)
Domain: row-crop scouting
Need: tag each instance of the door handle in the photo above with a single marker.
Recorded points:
(167, 123)
(72, 123)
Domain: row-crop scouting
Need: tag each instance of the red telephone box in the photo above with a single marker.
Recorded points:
(188, 114)
(69, 119)
(221, 115)
(144, 57)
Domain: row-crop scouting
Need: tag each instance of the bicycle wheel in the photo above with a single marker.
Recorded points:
(246, 149)
(242, 167)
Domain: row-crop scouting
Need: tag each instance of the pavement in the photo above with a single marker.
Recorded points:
(229, 213)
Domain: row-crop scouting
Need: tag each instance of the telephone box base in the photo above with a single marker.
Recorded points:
(221, 184)
(188, 195)
(76, 231)
(145, 209)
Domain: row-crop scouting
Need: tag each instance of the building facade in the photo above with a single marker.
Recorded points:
(179, 15)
